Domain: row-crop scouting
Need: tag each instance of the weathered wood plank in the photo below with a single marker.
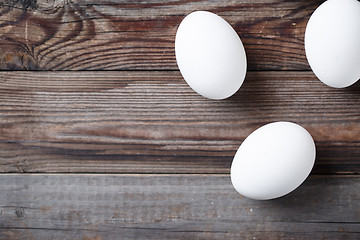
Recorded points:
(172, 207)
(153, 122)
(133, 35)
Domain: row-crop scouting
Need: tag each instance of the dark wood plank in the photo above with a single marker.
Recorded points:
(152, 122)
(172, 207)
(133, 35)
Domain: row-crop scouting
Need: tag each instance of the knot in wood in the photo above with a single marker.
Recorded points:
(20, 212)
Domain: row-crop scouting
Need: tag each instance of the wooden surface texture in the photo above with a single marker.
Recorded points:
(173, 206)
(152, 122)
(139, 35)
(101, 138)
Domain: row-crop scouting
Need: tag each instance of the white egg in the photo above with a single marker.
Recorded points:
(273, 161)
(210, 55)
(332, 42)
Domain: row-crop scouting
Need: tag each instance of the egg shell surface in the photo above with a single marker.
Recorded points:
(332, 42)
(273, 161)
(210, 55)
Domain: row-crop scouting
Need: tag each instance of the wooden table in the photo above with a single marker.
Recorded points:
(102, 139)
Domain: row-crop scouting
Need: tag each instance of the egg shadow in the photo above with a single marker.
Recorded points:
(307, 199)
(259, 100)
(354, 89)
(337, 158)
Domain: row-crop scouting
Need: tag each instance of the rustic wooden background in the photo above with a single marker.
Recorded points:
(100, 137)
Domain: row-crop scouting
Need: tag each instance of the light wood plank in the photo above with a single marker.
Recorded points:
(153, 122)
(172, 207)
(133, 35)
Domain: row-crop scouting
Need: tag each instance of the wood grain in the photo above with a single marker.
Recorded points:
(144, 120)
(152, 122)
(139, 35)
(172, 207)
